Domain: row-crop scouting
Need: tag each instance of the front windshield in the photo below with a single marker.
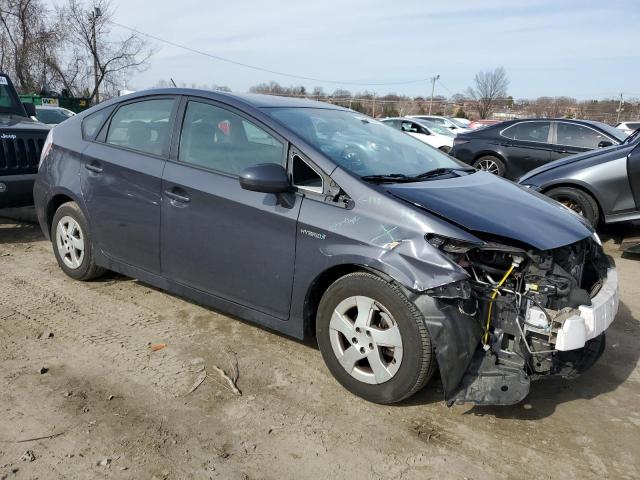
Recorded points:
(457, 123)
(614, 132)
(361, 144)
(9, 102)
(53, 115)
(437, 129)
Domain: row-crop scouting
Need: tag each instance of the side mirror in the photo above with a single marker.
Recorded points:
(265, 178)
(30, 108)
(452, 127)
(604, 143)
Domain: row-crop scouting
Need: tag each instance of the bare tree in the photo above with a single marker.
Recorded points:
(27, 42)
(88, 26)
(488, 88)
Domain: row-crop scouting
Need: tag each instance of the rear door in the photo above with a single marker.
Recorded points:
(572, 138)
(217, 237)
(121, 179)
(526, 145)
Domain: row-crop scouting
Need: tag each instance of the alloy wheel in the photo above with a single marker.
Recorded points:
(70, 242)
(366, 339)
(488, 166)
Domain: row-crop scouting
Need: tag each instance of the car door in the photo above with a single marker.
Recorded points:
(526, 145)
(121, 180)
(216, 237)
(571, 138)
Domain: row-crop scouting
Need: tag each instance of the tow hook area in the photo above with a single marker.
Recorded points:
(489, 383)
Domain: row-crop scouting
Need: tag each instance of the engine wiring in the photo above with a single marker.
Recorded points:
(516, 263)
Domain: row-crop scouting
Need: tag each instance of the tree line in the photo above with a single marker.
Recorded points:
(67, 50)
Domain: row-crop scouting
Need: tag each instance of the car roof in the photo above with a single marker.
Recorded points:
(256, 100)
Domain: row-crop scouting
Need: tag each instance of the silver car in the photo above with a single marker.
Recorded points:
(602, 185)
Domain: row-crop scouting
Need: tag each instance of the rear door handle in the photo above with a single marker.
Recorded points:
(181, 197)
(93, 167)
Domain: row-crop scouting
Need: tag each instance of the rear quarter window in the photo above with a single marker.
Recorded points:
(92, 123)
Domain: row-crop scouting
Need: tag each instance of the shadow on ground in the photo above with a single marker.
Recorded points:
(19, 225)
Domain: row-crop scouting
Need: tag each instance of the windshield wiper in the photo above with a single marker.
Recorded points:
(436, 172)
(386, 178)
(402, 178)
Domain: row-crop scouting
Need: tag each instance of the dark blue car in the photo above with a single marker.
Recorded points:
(311, 219)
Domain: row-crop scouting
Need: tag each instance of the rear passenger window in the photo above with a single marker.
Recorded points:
(218, 139)
(142, 126)
(529, 132)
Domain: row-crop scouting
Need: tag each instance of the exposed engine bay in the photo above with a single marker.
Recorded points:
(536, 314)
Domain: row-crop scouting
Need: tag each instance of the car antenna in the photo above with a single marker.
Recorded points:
(173, 83)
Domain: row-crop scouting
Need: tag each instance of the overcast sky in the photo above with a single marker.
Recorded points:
(579, 48)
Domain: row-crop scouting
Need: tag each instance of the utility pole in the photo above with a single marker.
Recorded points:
(373, 106)
(93, 17)
(433, 87)
(620, 109)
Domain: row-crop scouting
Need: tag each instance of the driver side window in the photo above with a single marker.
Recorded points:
(218, 139)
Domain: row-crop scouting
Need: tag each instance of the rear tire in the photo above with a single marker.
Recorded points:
(578, 201)
(491, 164)
(72, 243)
(373, 339)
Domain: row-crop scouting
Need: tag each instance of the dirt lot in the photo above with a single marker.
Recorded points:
(120, 410)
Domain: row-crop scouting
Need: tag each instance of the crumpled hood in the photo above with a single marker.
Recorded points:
(575, 158)
(484, 203)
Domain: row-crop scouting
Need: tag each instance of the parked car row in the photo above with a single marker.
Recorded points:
(512, 148)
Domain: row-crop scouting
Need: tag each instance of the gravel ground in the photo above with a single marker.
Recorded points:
(78, 368)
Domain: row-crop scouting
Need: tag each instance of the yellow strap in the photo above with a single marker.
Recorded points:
(485, 339)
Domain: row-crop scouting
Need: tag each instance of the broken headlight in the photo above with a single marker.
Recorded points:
(450, 245)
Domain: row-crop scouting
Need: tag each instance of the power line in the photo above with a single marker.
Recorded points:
(262, 69)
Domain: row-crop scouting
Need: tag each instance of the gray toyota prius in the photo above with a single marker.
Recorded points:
(312, 219)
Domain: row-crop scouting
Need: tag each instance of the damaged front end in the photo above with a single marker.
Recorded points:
(523, 314)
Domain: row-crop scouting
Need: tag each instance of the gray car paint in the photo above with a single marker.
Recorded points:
(607, 174)
(241, 251)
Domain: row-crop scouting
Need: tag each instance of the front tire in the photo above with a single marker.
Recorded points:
(373, 339)
(580, 202)
(490, 164)
(72, 245)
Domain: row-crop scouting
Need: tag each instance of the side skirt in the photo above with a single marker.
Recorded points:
(293, 329)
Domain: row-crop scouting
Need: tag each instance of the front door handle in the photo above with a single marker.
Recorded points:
(93, 167)
(560, 150)
(181, 197)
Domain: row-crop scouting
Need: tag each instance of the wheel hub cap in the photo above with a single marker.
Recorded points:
(70, 242)
(366, 340)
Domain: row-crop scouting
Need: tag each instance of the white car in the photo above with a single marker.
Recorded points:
(446, 122)
(52, 115)
(462, 121)
(628, 127)
(434, 135)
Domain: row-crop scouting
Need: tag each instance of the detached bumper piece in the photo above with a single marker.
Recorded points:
(590, 321)
(487, 383)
